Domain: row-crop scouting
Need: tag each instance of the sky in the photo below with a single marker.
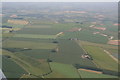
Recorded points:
(60, 0)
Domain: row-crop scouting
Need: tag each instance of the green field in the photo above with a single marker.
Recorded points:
(70, 53)
(67, 70)
(85, 35)
(28, 44)
(102, 59)
(12, 70)
(42, 31)
(31, 65)
(35, 36)
(37, 53)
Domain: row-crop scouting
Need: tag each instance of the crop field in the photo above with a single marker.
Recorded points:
(42, 31)
(108, 63)
(37, 53)
(9, 71)
(14, 25)
(27, 63)
(32, 40)
(37, 26)
(68, 71)
(70, 54)
(85, 35)
(35, 36)
(28, 44)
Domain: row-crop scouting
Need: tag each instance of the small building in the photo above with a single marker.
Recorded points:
(87, 56)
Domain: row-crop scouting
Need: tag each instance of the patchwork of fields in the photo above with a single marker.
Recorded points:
(38, 52)
(52, 47)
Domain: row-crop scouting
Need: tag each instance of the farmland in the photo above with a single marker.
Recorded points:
(48, 40)
(72, 53)
(108, 63)
(65, 69)
(17, 71)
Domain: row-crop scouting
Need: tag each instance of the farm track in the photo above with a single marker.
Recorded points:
(111, 56)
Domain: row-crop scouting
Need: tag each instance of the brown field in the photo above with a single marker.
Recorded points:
(100, 28)
(22, 22)
(114, 42)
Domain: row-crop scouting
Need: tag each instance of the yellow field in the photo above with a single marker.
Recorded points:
(18, 22)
